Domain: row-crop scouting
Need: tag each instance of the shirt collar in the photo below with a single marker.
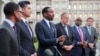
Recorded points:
(9, 22)
(63, 24)
(24, 20)
(47, 21)
(88, 26)
(77, 26)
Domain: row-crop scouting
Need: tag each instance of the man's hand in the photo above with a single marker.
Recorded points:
(61, 43)
(82, 43)
(61, 38)
(32, 54)
(68, 47)
(35, 54)
(91, 45)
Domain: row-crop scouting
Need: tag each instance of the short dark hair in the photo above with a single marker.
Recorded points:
(45, 10)
(90, 18)
(9, 8)
(23, 3)
(79, 19)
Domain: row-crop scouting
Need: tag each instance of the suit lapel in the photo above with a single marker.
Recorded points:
(69, 32)
(92, 31)
(84, 34)
(11, 31)
(31, 30)
(76, 32)
(62, 27)
(54, 30)
(46, 26)
(25, 28)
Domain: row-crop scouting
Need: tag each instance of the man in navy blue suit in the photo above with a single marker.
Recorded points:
(25, 33)
(80, 38)
(46, 33)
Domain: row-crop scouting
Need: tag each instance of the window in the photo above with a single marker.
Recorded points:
(75, 16)
(69, 7)
(80, 15)
(90, 15)
(55, 4)
(75, 7)
(79, 6)
(99, 6)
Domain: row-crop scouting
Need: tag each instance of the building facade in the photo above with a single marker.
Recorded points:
(75, 8)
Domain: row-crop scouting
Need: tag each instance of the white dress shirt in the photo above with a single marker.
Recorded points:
(47, 21)
(66, 29)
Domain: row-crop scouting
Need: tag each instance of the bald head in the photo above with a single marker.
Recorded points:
(78, 21)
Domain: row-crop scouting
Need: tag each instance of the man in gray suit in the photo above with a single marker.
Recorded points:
(8, 38)
(92, 37)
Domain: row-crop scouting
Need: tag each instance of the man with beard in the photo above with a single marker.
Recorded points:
(46, 33)
(80, 38)
(8, 38)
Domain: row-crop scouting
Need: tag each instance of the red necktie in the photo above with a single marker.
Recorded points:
(81, 34)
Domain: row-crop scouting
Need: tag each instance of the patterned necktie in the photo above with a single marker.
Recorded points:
(81, 34)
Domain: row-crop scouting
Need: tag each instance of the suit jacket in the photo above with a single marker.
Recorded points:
(26, 40)
(46, 37)
(77, 48)
(8, 41)
(93, 37)
(61, 31)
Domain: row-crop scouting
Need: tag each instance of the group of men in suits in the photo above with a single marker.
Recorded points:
(16, 35)
(70, 41)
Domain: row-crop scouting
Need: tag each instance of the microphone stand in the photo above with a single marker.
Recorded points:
(57, 50)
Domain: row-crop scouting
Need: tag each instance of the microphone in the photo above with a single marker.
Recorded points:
(48, 52)
(57, 50)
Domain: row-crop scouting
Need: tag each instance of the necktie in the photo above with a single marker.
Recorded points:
(14, 28)
(81, 34)
(51, 27)
(27, 24)
(66, 29)
(89, 30)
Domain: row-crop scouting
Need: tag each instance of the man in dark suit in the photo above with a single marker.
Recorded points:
(80, 38)
(8, 38)
(92, 37)
(25, 33)
(46, 33)
(64, 29)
